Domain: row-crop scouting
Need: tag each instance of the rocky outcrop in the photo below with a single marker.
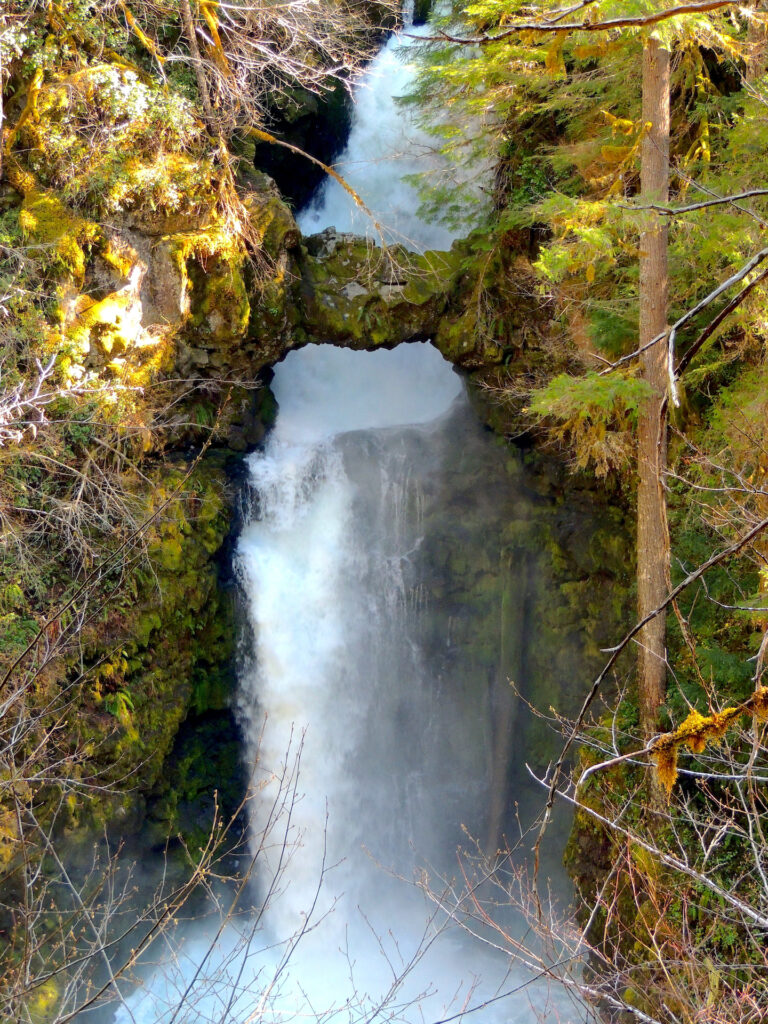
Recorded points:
(162, 650)
(354, 294)
(481, 311)
(170, 299)
(317, 124)
(155, 295)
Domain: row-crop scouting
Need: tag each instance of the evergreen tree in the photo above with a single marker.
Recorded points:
(652, 532)
(584, 112)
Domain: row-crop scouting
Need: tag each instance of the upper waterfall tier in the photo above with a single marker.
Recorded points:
(384, 147)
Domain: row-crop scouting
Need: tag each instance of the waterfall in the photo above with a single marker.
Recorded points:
(355, 738)
(384, 146)
(368, 760)
(329, 564)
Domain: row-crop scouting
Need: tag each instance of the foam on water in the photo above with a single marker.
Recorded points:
(384, 146)
(360, 755)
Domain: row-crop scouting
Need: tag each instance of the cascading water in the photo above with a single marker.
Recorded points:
(330, 565)
(385, 778)
(384, 145)
(369, 756)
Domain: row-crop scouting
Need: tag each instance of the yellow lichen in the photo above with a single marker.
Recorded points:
(58, 232)
(120, 257)
(664, 755)
(8, 836)
(697, 731)
(141, 35)
(760, 703)
(28, 113)
(693, 732)
(110, 311)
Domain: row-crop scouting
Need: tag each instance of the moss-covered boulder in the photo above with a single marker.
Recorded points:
(353, 293)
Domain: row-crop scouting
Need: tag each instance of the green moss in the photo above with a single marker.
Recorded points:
(273, 222)
(220, 305)
(204, 775)
(175, 632)
(170, 553)
(438, 269)
(61, 235)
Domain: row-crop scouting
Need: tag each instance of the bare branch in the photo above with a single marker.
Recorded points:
(673, 211)
(639, 21)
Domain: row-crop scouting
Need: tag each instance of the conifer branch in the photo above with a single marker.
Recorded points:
(555, 16)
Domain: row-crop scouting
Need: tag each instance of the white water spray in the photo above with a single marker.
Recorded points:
(327, 564)
(361, 753)
(384, 146)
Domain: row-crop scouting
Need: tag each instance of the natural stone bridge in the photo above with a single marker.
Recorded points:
(345, 290)
(176, 296)
(360, 296)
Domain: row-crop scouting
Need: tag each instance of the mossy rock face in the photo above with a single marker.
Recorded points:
(351, 293)
(524, 584)
(356, 295)
(203, 780)
(61, 234)
(143, 247)
(219, 308)
(271, 218)
(318, 125)
(493, 313)
(164, 650)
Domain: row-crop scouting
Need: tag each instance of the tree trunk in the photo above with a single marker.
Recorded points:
(757, 39)
(652, 532)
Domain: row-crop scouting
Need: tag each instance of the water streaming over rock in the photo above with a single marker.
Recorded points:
(331, 569)
(390, 767)
(370, 751)
(384, 146)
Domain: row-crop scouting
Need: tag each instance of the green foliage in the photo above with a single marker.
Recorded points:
(120, 704)
(593, 415)
(12, 597)
(15, 633)
(79, 427)
(105, 140)
(611, 329)
(592, 396)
